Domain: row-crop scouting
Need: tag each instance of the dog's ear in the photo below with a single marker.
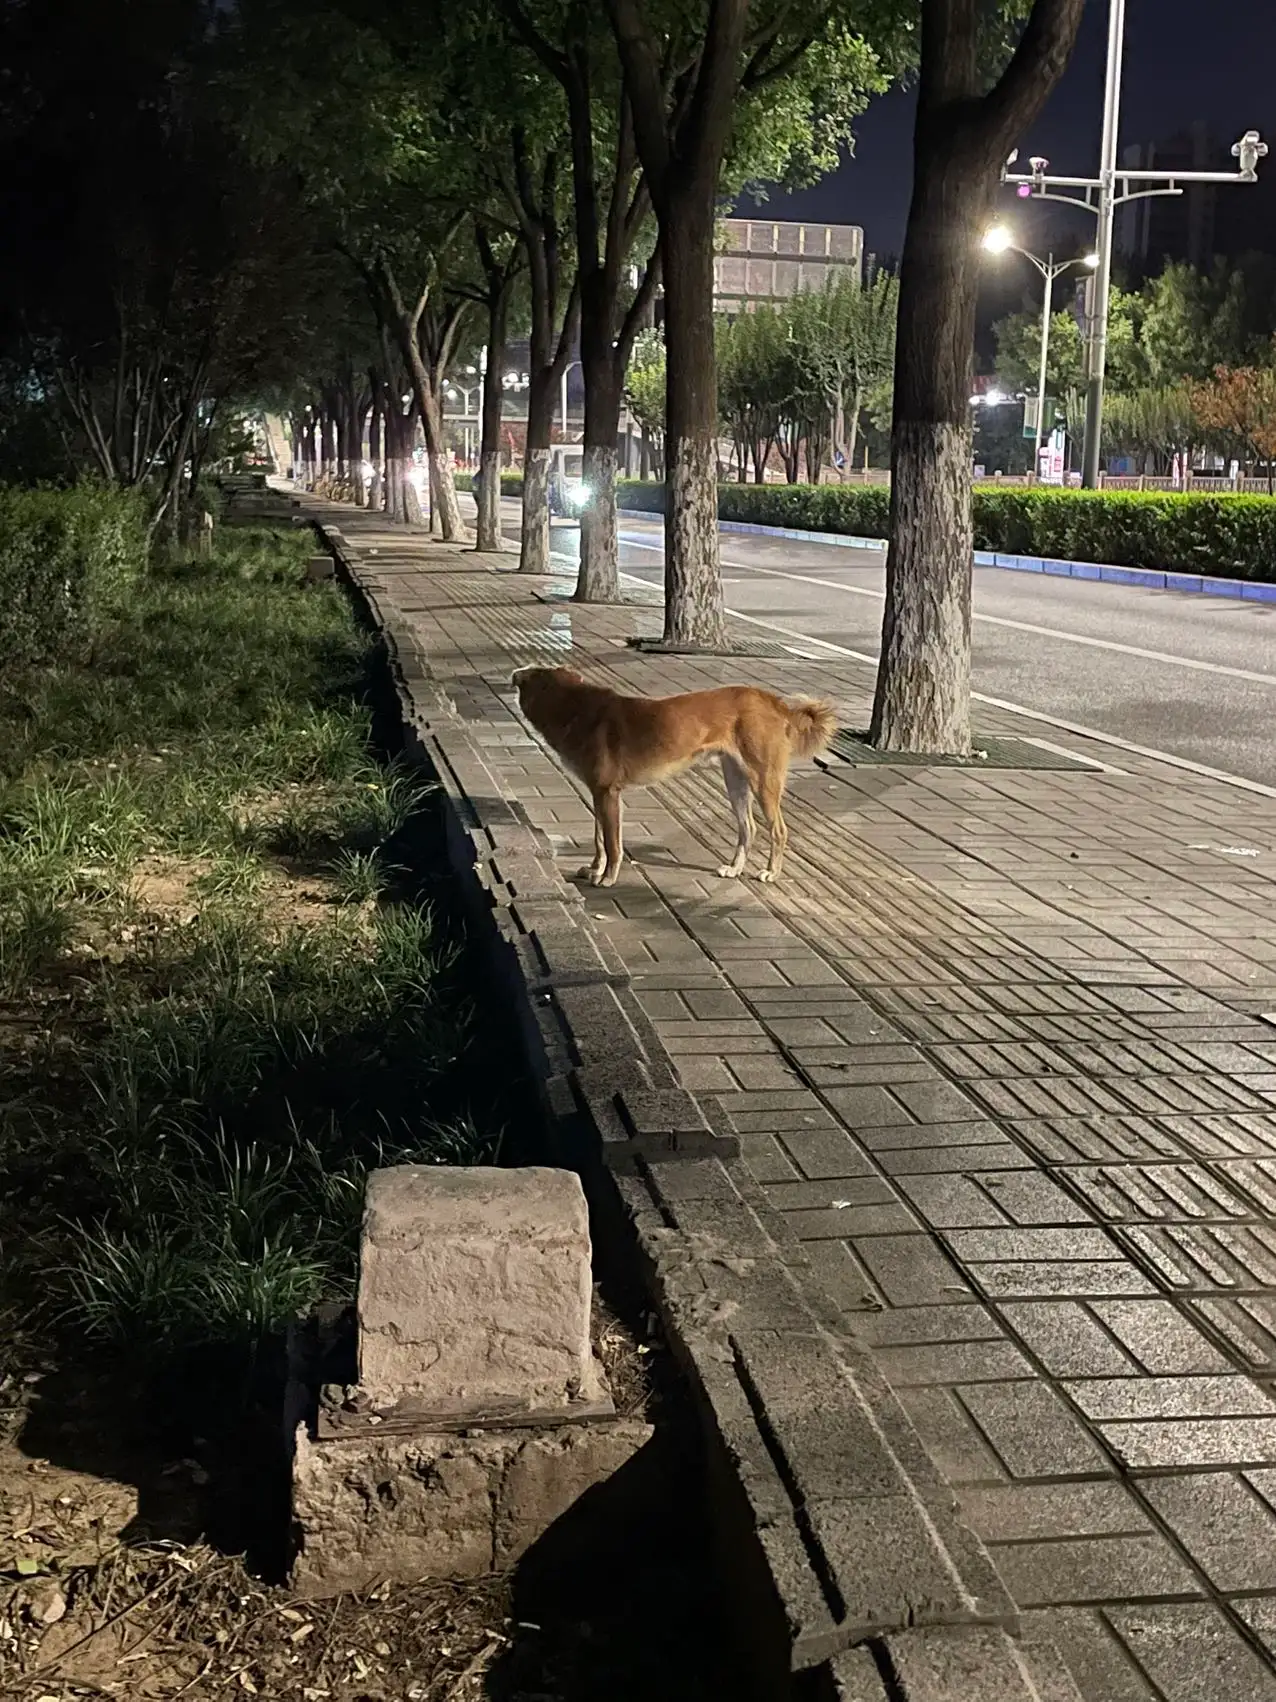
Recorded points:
(570, 675)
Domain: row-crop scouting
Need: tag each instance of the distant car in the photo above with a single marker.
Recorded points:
(569, 495)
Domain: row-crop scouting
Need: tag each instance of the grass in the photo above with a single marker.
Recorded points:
(219, 1003)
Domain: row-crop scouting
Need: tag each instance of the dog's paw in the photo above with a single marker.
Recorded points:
(587, 873)
(768, 875)
(729, 872)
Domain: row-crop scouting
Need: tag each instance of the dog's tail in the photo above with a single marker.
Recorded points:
(811, 725)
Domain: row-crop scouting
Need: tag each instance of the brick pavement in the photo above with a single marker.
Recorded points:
(994, 1049)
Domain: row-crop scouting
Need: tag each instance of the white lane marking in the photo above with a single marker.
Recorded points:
(1076, 728)
(1001, 620)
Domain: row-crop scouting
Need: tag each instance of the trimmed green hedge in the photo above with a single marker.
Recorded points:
(1232, 537)
(511, 483)
(66, 557)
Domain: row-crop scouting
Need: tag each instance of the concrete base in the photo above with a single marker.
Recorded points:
(434, 1506)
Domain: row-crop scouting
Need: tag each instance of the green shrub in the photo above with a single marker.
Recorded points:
(67, 557)
(1230, 536)
(511, 483)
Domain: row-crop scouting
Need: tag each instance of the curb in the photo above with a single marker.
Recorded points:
(833, 1530)
(1151, 579)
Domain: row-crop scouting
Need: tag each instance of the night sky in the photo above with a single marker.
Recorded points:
(1184, 60)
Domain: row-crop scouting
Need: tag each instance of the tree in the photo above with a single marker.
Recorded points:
(965, 127)
(1240, 404)
(645, 387)
(1156, 423)
(693, 69)
(847, 349)
(611, 210)
(1018, 341)
(1192, 322)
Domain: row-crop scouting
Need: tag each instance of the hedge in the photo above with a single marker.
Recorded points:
(66, 557)
(1229, 536)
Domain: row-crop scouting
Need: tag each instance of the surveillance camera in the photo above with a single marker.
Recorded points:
(1038, 165)
(1249, 150)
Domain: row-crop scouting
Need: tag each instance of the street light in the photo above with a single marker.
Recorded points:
(999, 240)
(1102, 196)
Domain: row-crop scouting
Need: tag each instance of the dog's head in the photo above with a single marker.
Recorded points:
(533, 683)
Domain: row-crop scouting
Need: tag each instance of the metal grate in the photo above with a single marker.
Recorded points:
(758, 647)
(853, 747)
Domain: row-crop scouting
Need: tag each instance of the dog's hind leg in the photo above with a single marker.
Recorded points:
(741, 796)
(770, 789)
(593, 872)
(607, 816)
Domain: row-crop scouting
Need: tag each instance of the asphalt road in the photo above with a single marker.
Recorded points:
(1190, 676)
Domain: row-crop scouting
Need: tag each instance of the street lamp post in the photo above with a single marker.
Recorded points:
(1102, 195)
(1000, 241)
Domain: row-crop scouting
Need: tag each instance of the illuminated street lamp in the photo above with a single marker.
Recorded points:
(999, 240)
(1102, 195)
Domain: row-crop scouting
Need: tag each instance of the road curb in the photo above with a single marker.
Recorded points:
(1151, 579)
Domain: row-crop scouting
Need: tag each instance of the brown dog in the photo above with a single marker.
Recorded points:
(612, 741)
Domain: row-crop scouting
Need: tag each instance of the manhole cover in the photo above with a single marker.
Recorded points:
(853, 747)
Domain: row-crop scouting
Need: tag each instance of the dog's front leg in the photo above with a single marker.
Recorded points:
(607, 823)
(593, 872)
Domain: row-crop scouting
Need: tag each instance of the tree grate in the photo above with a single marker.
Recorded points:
(852, 746)
(754, 647)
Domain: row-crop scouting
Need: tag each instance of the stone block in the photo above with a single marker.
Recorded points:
(474, 1289)
(431, 1506)
(319, 568)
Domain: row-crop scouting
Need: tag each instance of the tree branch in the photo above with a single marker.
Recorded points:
(1036, 65)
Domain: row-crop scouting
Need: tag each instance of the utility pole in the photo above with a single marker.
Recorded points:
(1102, 195)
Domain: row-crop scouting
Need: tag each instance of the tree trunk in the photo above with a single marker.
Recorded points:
(533, 554)
(693, 584)
(488, 529)
(923, 687)
(644, 453)
(376, 483)
(599, 578)
(962, 135)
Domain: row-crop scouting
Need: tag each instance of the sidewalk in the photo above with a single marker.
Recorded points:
(994, 1049)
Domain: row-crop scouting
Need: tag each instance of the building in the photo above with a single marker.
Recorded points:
(761, 260)
(1230, 219)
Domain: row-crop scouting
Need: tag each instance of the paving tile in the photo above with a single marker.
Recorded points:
(1159, 1336)
(1067, 1339)
(952, 1362)
(1037, 1511)
(905, 1325)
(1032, 1431)
(951, 1202)
(1028, 1197)
(950, 1436)
(1094, 1569)
(845, 1220)
(1226, 1528)
(938, 1102)
(1192, 1653)
(870, 1107)
(1167, 1443)
(824, 1153)
(932, 1135)
(1039, 1279)
(917, 1161)
(910, 1270)
(1169, 1397)
(1100, 1664)
(1002, 1245)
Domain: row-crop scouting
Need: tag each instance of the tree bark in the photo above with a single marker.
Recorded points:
(961, 138)
(488, 529)
(376, 480)
(405, 323)
(694, 611)
(534, 538)
(598, 580)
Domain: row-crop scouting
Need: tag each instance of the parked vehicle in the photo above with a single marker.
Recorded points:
(568, 493)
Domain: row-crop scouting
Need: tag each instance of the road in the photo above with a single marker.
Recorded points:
(1191, 676)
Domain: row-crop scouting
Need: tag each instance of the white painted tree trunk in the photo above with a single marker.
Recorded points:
(534, 547)
(488, 533)
(923, 683)
(599, 578)
(693, 584)
(447, 508)
(412, 512)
